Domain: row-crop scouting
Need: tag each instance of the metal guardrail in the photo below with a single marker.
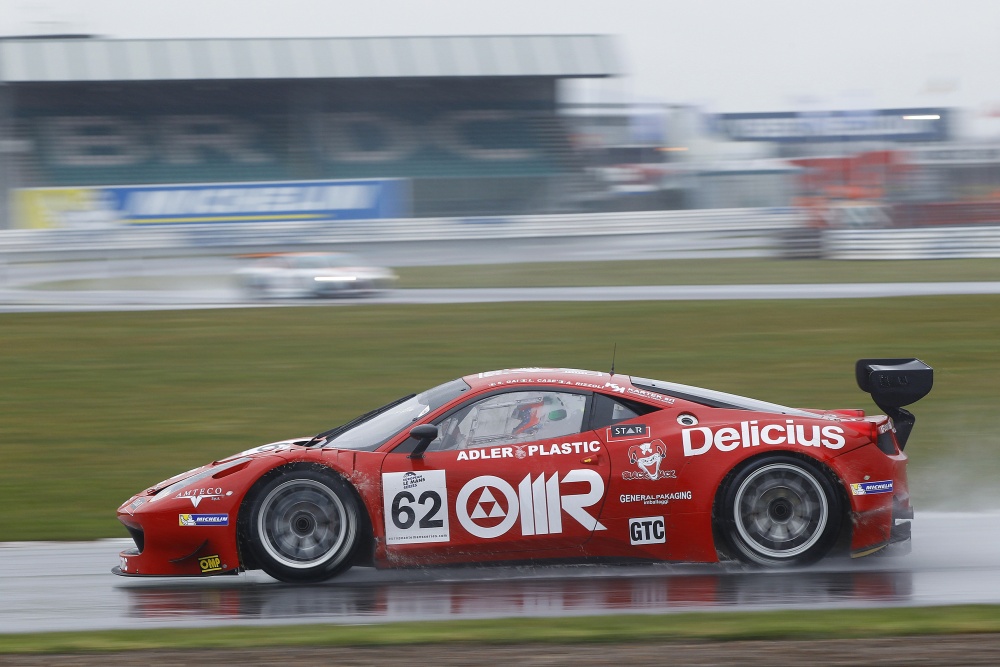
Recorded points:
(912, 243)
(719, 227)
(779, 232)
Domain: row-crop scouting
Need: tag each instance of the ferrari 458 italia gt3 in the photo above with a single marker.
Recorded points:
(537, 464)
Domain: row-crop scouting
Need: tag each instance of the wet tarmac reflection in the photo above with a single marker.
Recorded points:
(578, 594)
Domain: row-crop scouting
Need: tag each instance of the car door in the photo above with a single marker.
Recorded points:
(511, 471)
(646, 490)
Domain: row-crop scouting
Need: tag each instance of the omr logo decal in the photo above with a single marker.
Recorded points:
(489, 506)
(210, 564)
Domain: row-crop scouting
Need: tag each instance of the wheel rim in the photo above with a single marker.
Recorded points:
(302, 523)
(781, 511)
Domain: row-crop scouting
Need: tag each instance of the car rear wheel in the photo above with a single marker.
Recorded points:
(780, 511)
(302, 525)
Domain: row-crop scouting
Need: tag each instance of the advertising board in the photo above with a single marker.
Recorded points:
(95, 207)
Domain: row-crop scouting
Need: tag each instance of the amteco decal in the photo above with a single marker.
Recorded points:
(197, 495)
(699, 440)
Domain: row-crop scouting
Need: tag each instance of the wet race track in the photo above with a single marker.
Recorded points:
(56, 587)
(52, 587)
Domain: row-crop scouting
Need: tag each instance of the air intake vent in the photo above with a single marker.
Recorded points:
(137, 536)
(886, 443)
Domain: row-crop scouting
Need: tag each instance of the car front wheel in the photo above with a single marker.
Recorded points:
(302, 525)
(780, 511)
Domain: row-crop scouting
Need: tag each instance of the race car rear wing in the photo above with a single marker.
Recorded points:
(892, 384)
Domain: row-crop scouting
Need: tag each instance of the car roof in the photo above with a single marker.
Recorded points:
(531, 375)
(656, 391)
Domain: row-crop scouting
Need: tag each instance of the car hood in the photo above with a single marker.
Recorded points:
(187, 477)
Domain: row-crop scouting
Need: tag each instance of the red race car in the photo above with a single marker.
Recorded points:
(533, 464)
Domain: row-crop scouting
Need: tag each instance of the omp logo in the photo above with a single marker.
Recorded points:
(210, 564)
(871, 488)
(699, 440)
(488, 506)
(647, 530)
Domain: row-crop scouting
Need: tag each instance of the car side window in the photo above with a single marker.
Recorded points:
(513, 417)
(608, 410)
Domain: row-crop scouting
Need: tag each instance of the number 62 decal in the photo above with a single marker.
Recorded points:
(416, 507)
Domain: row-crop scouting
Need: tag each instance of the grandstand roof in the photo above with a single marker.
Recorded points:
(97, 59)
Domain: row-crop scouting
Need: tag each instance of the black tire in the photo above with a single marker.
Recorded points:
(300, 524)
(780, 511)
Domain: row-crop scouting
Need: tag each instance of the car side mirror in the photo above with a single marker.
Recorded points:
(557, 415)
(425, 435)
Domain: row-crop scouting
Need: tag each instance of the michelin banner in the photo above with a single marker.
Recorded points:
(94, 207)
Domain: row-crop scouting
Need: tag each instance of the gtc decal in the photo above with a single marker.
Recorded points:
(647, 530)
(210, 564)
(700, 439)
(523, 451)
(203, 519)
(871, 488)
(648, 456)
(415, 507)
(628, 432)
(488, 506)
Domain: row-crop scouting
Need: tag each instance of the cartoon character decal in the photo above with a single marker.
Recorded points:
(648, 456)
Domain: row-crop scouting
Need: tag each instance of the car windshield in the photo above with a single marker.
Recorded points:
(373, 429)
(331, 261)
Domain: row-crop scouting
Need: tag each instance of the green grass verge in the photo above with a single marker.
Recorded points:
(96, 406)
(621, 628)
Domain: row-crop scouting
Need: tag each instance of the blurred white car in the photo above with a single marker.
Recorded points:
(312, 274)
